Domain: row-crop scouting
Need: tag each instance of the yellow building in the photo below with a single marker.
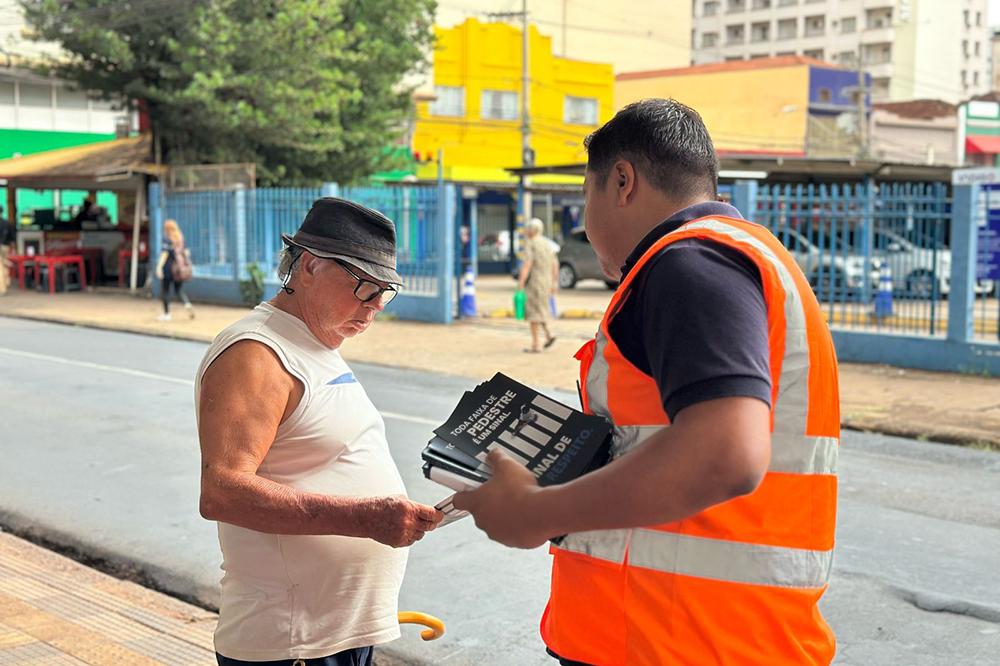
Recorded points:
(629, 34)
(474, 117)
(787, 105)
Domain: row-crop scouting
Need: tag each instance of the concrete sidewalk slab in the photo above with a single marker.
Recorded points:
(56, 611)
(912, 403)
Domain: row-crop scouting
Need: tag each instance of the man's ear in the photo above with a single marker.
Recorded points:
(623, 174)
(310, 266)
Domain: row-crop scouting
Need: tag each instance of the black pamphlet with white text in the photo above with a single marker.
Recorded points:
(555, 442)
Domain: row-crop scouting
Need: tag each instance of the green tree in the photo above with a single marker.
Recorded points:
(310, 90)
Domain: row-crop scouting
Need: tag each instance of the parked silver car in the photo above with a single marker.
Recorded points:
(577, 261)
(917, 265)
(831, 269)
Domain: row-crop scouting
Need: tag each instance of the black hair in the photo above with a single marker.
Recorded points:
(665, 141)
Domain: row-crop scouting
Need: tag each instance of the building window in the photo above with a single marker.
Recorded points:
(846, 57)
(709, 39)
(757, 56)
(760, 32)
(975, 49)
(965, 17)
(979, 19)
(6, 93)
(734, 59)
(761, 4)
(815, 25)
(710, 8)
(848, 25)
(880, 88)
(878, 18)
(787, 3)
(965, 48)
(825, 95)
(877, 54)
(450, 101)
(499, 105)
(736, 6)
(788, 28)
(735, 34)
(34, 95)
(813, 53)
(579, 110)
(975, 79)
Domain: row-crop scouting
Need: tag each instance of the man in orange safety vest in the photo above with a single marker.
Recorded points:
(709, 536)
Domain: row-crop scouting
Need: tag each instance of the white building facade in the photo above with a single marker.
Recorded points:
(912, 49)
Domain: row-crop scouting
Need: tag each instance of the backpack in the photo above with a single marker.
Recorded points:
(180, 269)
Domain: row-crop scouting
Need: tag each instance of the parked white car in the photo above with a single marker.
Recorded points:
(915, 267)
(831, 270)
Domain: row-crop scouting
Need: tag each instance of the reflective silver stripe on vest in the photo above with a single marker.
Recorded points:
(731, 561)
(699, 557)
(789, 454)
(792, 405)
(627, 438)
(597, 378)
(803, 455)
(791, 449)
(608, 545)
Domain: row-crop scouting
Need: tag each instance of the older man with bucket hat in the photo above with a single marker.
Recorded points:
(312, 513)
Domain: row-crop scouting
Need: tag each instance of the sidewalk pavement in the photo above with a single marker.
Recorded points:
(55, 611)
(911, 403)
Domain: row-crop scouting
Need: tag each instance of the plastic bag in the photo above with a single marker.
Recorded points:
(519, 304)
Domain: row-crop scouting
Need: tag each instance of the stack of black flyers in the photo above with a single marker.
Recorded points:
(557, 443)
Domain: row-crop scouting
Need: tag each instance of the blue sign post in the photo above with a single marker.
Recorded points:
(988, 239)
(988, 247)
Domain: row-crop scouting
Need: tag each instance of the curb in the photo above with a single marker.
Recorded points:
(577, 313)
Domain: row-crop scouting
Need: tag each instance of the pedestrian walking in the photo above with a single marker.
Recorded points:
(312, 513)
(173, 269)
(539, 278)
(709, 536)
(7, 238)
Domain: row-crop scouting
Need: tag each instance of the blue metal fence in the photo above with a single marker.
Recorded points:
(856, 241)
(270, 213)
(889, 264)
(228, 231)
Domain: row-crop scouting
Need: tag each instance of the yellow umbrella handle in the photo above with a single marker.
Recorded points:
(435, 627)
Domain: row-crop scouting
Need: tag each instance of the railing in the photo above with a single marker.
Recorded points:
(227, 231)
(893, 267)
(876, 257)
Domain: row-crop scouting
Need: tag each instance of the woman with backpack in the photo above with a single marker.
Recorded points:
(173, 268)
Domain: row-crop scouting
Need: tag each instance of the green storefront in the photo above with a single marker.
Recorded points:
(27, 142)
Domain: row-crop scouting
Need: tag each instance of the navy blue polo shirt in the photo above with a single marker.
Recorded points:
(696, 320)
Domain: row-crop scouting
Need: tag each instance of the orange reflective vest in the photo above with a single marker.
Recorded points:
(739, 582)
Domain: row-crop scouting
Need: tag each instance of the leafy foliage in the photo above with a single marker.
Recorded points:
(310, 90)
(252, 289)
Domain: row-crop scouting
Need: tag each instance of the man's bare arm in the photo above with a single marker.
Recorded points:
(245, 395)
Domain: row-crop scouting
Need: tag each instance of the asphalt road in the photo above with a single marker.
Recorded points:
(100, 455)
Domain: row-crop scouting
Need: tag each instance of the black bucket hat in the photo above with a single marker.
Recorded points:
(340, 229)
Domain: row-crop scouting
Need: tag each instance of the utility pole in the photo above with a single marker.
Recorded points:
(527, 154)
(862, 95)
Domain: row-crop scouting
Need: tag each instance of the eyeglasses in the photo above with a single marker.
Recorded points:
(367, 291)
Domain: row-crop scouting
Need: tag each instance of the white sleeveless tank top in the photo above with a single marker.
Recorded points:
(288, 597)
